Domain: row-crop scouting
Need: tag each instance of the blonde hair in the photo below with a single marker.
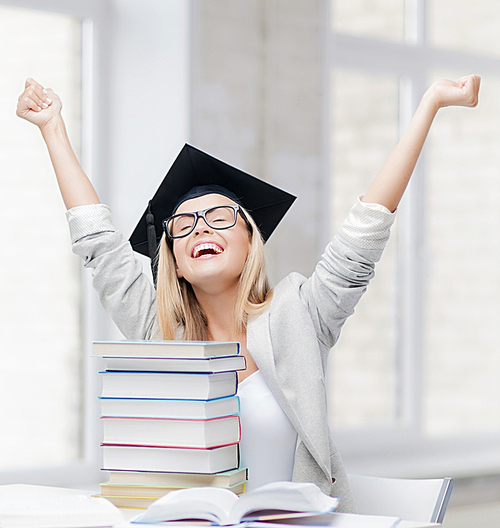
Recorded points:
(178, 307)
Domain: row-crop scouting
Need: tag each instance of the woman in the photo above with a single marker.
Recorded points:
(286, 333)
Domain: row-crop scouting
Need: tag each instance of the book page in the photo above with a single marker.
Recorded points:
(206, 503)
(223, 507)
(284, 497)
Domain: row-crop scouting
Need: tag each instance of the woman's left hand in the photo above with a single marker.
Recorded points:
(464, 92)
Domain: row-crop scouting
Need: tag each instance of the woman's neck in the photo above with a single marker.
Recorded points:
(219, 312)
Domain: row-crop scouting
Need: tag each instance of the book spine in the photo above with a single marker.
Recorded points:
(140, 458)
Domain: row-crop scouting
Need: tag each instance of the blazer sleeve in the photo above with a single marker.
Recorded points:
(124, 291)
(345, 269)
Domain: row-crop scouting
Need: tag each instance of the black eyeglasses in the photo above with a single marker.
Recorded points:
(220, 217)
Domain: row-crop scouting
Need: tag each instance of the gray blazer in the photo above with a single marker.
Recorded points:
(289, 342)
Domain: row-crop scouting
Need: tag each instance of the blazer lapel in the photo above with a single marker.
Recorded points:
(294, 374)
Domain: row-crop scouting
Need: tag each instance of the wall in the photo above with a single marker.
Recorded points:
(256, 87)
(143, 95)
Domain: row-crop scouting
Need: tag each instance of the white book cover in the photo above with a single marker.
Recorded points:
(171, 349)
(175, 460)
(156, 364)
(170, 408)
(171, 432)
(183, 386)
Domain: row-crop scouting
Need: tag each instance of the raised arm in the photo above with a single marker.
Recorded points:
(43, 108)
(389, 185)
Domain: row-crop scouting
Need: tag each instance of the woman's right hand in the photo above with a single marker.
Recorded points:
(38, 105)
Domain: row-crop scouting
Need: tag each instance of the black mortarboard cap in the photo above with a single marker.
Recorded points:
(193, 168)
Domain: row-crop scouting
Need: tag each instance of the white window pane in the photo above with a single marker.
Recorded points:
(384, 19)
(40, 292)
(361, 367)
(463, 294)
(466, 26)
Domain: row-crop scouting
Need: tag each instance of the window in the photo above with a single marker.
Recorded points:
(68, 45)
(413, 376)
(365, 115)
(41, 375)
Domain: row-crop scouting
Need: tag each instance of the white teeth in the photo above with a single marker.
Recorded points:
(203, 247)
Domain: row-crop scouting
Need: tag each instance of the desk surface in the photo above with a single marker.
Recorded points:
(343, 521)
(61, 501)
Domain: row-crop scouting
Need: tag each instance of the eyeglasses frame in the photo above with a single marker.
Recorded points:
(202, 214)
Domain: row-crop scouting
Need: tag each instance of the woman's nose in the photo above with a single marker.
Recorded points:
(202, 226)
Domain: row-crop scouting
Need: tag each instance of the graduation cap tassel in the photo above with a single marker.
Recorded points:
(151, 232)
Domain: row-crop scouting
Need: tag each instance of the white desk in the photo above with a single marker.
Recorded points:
(64, 506)
(339, 520)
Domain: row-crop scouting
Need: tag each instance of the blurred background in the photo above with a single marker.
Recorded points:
(311, 95)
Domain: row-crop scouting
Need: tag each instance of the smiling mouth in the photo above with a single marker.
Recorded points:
(206, 250)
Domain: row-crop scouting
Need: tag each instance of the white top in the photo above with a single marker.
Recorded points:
(268, 438)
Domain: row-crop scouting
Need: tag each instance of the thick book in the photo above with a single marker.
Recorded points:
(183, 386)
(179, 480)
(162, 408)
(173, 459)
(134, 503)
(272, 502)
(142, 503)
(142, 497)
(155, 364)
(140, 490)
(171, 432)
(170, 349)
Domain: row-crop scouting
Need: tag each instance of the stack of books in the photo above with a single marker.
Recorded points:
(170, 418)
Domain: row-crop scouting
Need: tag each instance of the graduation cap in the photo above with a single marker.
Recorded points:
(193, 168)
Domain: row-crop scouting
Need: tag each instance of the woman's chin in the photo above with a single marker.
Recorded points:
(214, 282)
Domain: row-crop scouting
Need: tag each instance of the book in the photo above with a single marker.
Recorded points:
(181, 480)
(162, 408)
(185, 386)
(28, 506)
(155, 364)
(274, 501)
(135, 503)
(173, 459)
(170, 349)
(141, 497)
(171, 432)
(142, 503)
(137, 490)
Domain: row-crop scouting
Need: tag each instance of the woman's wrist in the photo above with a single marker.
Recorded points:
(53, 127)
(431, 102)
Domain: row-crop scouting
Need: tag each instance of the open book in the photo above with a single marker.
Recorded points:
(274, 501)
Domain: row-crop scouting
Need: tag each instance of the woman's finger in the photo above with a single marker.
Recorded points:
(470, 89)
(474, 82)
(31, 83)
(37, 92)
(28, 103)
(32, 101)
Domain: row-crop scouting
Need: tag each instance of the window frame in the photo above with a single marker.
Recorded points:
(93, 15)
(402, 449)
